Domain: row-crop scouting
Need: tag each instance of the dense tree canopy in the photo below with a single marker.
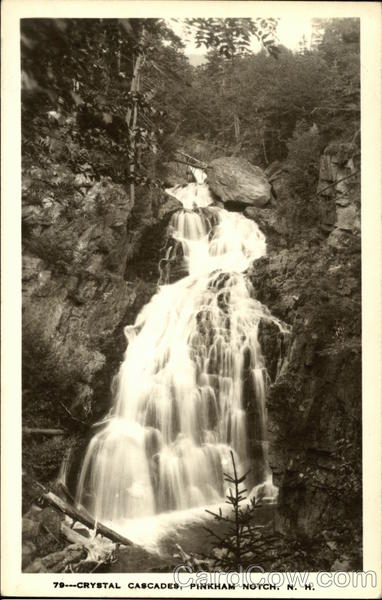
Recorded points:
(270, 98)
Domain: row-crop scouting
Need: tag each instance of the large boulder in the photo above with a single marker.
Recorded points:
(235, 180)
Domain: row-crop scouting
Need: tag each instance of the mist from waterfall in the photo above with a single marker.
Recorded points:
(180, 404)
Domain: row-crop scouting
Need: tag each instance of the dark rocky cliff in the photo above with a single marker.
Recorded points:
(311, 279)
(90, 262)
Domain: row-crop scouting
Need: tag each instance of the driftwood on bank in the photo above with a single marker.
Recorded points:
(83, 517)
(96, 555)
(42, 431)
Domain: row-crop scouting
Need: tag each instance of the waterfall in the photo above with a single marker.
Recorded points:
(180, 404)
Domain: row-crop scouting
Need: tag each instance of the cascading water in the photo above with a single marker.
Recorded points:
(180, 405)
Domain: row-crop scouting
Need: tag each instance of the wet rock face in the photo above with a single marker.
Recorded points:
(177, 174)
(269, 223)
(167, 207)
(314, 401)
(235, 180)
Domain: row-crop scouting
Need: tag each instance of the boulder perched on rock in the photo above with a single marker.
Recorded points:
(235, 180)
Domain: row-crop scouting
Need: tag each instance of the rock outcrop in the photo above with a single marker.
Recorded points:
(337, 191)
(235, 180)
(75, 248)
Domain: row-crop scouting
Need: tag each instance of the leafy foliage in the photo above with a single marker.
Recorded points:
(304, 150)
(230, 37)
(77, 94)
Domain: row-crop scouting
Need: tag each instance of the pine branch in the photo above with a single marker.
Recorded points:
(243, 534)
(219, 517)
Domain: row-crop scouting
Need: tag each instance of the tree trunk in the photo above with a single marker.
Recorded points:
(131, 118)
(236, 123)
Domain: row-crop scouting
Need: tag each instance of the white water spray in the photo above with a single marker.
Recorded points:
(192, 370)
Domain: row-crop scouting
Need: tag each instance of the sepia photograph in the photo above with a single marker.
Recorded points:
(191, 351)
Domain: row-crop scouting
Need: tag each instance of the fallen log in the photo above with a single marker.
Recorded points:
(73, 536)
(201, 163)
(182, 162)
(42, 431)
(76, 419)
(82, 517)
(61, 489)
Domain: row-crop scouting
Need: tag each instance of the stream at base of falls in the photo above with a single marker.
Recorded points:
(192, 387)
